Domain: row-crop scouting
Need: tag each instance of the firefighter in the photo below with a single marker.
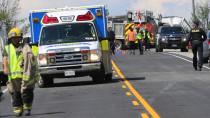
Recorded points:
(18, 64)
(132, 39)
(139, 38)
(196, 37)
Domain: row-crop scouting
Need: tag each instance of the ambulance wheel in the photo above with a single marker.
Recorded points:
(156, 50)
(45, 82)
(108, 77)
(98, 77)
(3, 79)
(160, 49)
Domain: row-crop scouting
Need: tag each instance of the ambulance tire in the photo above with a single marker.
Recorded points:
(108, 77)
(160, 49)
(3, 79)
(45, 82)
(98, 77)
(156, 50)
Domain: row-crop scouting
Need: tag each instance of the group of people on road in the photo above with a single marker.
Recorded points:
(196, 38)
(137, 38)
(140, 37)
(20, 65)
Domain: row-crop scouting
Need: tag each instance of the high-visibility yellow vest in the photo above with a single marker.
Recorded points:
(35, 50)
(139, 36)
(105, 45)
(15, 70)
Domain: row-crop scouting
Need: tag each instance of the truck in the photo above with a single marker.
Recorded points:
(72, 42)
(143, 20)
(172, 34)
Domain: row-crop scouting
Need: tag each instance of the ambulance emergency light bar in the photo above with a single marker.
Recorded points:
(81, 17)
(99, 12)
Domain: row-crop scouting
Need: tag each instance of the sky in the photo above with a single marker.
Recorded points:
(116, 7)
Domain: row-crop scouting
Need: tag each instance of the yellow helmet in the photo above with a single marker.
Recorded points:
(14, 32)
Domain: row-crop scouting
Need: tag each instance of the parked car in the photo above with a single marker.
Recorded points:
(171, 37)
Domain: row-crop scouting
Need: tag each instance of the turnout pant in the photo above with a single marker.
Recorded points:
(197, 49)
(21, 93)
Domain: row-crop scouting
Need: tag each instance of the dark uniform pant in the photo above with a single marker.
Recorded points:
(141, 50)
(22, 94)
(112, 47)
(197, 49)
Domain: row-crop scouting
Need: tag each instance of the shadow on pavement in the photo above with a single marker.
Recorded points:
(87, 83)
(37, 114)
(135, 78)
(82, 83)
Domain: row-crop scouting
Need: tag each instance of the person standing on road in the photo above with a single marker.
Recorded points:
(111, 36)
(139, 38)
(18, 62)
(196, 37)
(147, 40)
(132, 39)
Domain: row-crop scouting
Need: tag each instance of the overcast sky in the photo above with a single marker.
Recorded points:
(116, 7)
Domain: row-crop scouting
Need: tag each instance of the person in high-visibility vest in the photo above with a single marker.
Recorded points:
(18, 64)
(139, 38)
(147, 40)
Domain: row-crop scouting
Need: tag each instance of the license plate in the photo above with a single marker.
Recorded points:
(174, 45)
(69, 73)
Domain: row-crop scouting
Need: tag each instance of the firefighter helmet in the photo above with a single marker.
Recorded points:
(14, 32)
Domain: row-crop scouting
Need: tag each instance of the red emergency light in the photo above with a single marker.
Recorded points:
(48, 20)
(209, 42)
(85, 17)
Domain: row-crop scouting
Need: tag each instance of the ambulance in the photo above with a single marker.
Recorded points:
(72, 42)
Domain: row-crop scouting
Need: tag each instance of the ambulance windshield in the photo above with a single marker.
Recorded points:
(68, 33)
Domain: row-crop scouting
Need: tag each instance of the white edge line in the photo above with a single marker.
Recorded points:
(184, 59)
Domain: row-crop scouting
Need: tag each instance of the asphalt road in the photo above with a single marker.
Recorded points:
(144, 86)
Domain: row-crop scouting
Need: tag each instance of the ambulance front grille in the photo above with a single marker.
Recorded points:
(68, 58)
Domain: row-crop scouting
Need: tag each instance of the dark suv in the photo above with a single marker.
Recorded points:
(171, 37)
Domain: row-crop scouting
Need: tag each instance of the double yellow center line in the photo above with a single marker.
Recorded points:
(146, 105)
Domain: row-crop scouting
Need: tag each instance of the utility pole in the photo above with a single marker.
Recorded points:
(193, 8)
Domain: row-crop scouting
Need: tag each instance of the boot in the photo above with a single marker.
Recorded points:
(27, 109)
(18, 111)
(27, 112)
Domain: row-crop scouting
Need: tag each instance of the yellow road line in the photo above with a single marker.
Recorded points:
(124, 87)
(144, 115)
(135, 103)
(146, 105)
(128, 94)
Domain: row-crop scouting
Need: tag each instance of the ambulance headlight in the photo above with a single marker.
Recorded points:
(95, 55)
(42, 59)
(184, 39)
